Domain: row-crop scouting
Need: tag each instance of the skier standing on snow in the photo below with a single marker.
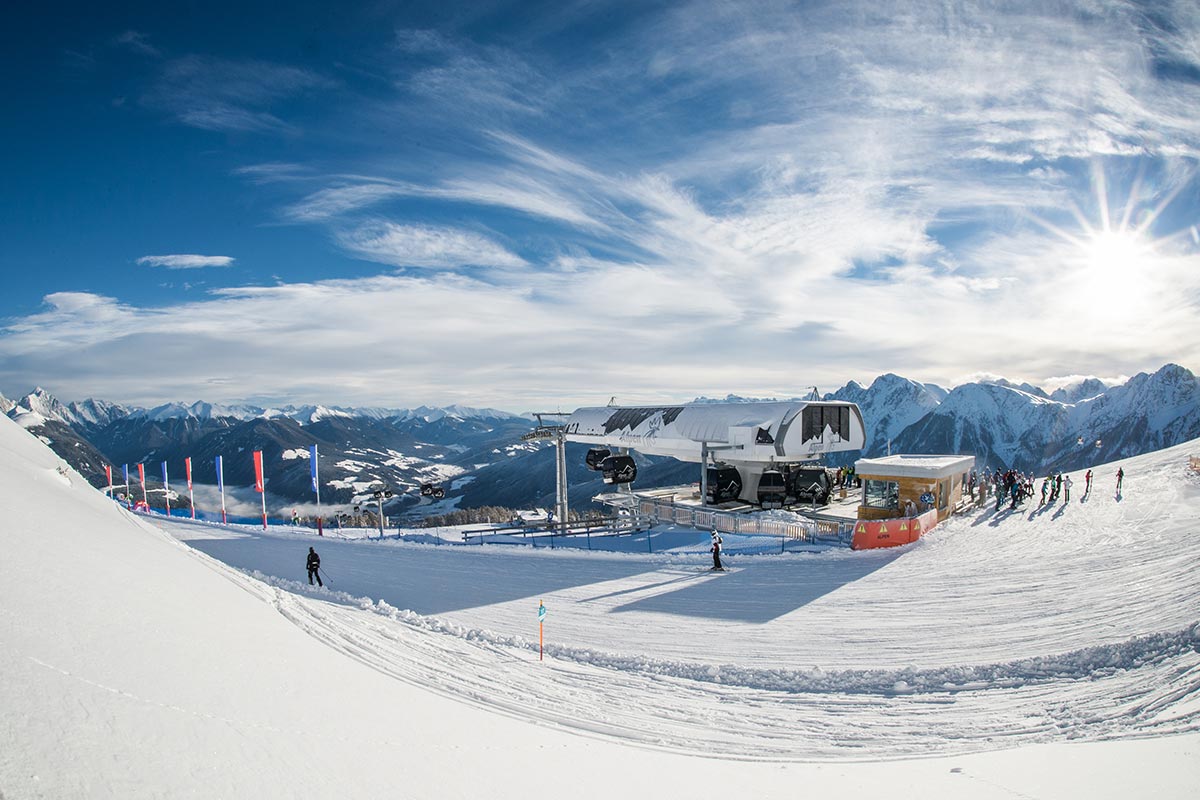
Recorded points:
(314, 567)
(1045, 486)
(1087, 483)
(1120, 477)
(716, 550)
(1067, 488)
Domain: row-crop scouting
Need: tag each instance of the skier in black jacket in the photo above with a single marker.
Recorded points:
(716, 551)
(314, 566)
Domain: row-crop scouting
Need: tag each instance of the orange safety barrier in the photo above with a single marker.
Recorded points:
(869, 534)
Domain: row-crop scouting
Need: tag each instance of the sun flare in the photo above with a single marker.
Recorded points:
(1111, 254)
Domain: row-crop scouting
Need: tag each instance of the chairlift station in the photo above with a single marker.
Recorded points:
(752, 456)
(752, 452)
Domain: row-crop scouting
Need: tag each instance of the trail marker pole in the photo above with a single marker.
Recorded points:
(541, 619)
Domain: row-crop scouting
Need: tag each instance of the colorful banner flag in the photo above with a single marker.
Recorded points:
(187, 466)
(125, 470)
(108, 474)
(166, 490)
(260, 484)
(312, 458)
(258, 471)
(221, 487)
(142, 476)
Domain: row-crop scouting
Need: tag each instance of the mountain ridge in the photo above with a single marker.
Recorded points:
(478, 454)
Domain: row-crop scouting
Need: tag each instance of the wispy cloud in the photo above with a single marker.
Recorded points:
(425, 246)
(335, 201)
(474, 80)
(225, 95)
(274, 172)
(137, 42)
(185, 261)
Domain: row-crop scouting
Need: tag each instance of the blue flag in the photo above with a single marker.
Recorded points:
(125, 469)
(164, 466)
(220, 476)
(541, 611)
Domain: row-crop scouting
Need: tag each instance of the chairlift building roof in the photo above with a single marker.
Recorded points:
(914, 466)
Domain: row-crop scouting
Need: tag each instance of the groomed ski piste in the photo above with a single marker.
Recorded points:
(1040, 653)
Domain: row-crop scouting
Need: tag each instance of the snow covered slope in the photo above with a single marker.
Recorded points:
(134, 666)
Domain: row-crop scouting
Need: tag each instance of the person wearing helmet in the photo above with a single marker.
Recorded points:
(716, 550)
(314, 567)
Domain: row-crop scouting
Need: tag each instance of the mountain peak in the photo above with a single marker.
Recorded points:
(1084, 389)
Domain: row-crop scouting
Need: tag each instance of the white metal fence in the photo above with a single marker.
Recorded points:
(729, 522)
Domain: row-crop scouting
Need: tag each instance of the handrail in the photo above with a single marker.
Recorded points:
(728, 522)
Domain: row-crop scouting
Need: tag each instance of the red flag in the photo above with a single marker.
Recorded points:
(187, 464)
(258, 471)
(142, 475)
(108, 472)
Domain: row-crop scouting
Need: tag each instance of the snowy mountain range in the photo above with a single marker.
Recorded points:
(92, 413)
(478, 455)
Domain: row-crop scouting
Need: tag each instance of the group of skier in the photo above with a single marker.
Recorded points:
(846, 476)
(1060, 483)
(1016, 487)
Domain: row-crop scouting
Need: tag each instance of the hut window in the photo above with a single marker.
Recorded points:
(881, 494)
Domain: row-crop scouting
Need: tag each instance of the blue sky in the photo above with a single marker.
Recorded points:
(532, 205)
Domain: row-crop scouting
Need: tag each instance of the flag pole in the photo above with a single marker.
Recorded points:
(187, 463)
(166, 490)
(316, 484)
(221, 488)
(260, 484)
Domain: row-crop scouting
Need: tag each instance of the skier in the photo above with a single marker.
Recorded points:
(1087, 483)
(716, 551)
(1120, 477)
(314, 566)
(1067, 488)
(1045, 486)
(295, 518)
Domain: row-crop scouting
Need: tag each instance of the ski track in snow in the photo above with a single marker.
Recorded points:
(961, 642)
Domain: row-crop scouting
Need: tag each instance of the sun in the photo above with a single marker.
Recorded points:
(1109, 254)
